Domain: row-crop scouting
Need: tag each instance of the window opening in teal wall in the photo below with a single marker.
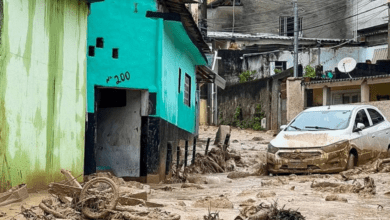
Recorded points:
(115, 52)
(99, 42)
(91, 51)
(179, 79)
(187, 90)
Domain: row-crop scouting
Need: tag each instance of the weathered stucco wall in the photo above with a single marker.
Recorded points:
(42, 91)
(295, 98)
(262, 16)
(247, 96)
(371, 18)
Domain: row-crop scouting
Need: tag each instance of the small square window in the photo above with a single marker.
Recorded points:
(115, 52)
(91, 51)
(99, 42)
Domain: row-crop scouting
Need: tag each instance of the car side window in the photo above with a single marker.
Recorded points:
(361, 117)
(376, 117)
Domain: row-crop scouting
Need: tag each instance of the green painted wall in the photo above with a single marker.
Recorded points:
(151, 50)
(42, 91)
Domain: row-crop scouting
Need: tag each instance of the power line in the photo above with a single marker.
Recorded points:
(322, 25)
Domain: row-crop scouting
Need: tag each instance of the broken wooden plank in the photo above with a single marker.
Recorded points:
(66, 190)
(70, 178)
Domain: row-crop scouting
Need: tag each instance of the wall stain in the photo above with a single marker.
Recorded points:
(29, 39)
(31, 168)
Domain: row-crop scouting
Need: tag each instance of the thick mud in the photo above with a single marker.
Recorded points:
(317, 196)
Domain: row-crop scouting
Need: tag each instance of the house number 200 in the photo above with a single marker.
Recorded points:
(120, 78)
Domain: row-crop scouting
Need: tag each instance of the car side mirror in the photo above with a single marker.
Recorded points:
(283, 127)
(359, 127)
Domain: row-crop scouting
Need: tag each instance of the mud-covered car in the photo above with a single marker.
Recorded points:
(329, 139)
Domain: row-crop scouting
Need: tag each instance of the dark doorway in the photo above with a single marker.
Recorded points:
(118, 131)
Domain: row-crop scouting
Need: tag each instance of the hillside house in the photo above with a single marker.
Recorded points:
(145, 61)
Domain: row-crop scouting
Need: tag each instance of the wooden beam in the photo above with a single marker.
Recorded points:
(71, 179)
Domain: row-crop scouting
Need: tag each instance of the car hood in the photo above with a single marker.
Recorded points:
(307, 139)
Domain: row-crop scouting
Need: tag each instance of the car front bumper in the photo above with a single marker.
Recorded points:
(307, 161)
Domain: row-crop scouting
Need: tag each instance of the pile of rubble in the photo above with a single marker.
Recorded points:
(102, 196)
(216, 161)
(378, 166)
(268, 212)
(367, 188)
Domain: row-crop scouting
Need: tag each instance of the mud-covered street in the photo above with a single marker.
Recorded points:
(295, 192)
(236, 194)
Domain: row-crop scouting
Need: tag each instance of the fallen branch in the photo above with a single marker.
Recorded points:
(51, 211)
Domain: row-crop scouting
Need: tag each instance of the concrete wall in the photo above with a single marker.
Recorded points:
(119, 137)
(262, 16)
(372, 18)
(42, 91)
(247, 95)
(295, 98)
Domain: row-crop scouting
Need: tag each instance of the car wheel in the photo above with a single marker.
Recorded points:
(351, 162)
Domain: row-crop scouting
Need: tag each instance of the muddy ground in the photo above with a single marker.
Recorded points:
(227, 196)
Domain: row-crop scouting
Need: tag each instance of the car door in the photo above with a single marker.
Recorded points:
(361, 139)
(379, 132)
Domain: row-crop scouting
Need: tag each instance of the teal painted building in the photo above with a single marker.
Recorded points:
(141, 86)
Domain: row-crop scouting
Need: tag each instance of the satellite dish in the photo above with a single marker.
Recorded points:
(346, 65)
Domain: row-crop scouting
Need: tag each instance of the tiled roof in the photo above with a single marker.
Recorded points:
(347, 79)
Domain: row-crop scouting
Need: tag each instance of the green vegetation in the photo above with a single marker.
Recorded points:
(310, 72)
(253, 123)
(277, 71)
(246, 76)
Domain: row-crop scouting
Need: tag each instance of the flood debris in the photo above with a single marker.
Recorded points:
(378, 166)
(212, 216)
(367, 188)
(223, 130)
(15, 194)
(335, 198)
(220, 202)
(265, 194)
(247, 202)
(268, 212)
(216, 161)
(103, 196)
(166, 188)
(192, 185)
(237, 175)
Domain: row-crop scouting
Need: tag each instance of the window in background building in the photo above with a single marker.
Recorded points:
(345, 98)
(286, 26)
(280, 65)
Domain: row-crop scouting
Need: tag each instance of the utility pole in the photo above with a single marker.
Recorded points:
(388, 31)
(296, 32)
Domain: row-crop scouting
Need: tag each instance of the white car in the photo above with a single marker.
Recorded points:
(330, 139)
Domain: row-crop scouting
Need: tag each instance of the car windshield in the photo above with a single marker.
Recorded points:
(321, 120)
